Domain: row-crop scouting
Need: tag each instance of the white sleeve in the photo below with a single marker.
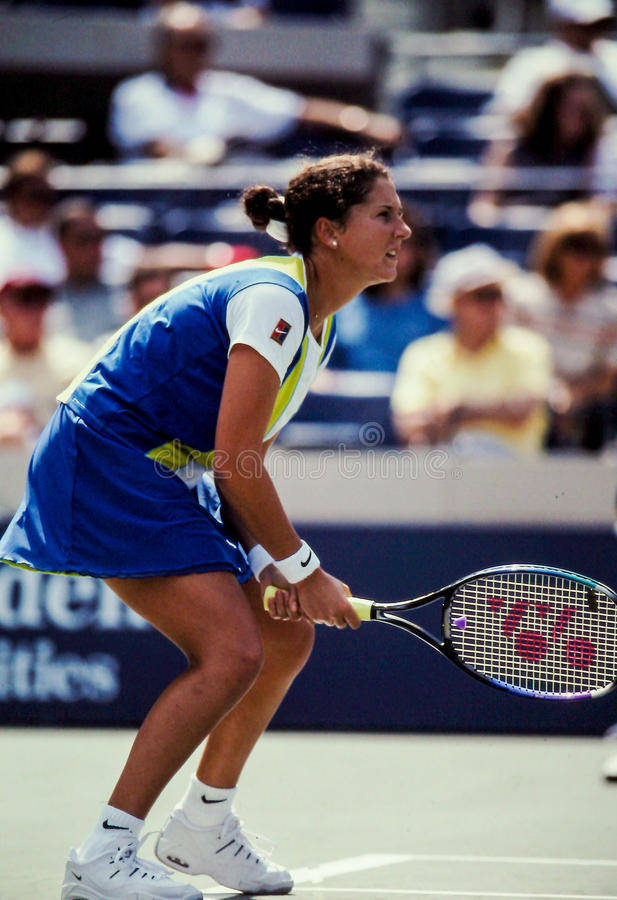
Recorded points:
(269, 318)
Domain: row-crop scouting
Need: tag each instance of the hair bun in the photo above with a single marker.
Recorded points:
(262, 204)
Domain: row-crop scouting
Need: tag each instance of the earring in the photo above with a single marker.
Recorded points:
(334, 244)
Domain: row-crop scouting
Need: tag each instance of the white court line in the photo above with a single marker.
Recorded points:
(513, 860)
(317, 874)
(411, 892)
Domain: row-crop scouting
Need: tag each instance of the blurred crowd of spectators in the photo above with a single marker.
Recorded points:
(485, 353)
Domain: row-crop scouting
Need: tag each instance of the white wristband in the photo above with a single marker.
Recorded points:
(299, 565)
(258, 558)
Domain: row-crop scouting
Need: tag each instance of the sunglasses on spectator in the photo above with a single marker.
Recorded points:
(487, 294)
(584, 244)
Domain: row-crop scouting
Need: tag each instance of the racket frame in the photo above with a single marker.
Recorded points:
(386, 612)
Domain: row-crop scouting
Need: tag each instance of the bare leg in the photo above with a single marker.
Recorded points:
(208, 617)
(287, 646)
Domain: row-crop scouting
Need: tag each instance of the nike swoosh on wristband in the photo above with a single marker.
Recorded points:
(307, 560)
(78, 877)
(205, 800)
(115, 827)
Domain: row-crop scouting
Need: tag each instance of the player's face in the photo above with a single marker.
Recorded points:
(373, 233)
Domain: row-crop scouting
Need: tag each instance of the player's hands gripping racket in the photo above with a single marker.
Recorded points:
(321, 598)
(532, 630)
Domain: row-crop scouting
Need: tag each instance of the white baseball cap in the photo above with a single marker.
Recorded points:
(581, 12)
(465, 270)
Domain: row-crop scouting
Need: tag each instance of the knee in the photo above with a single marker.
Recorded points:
(237, 658)
(294, 645)
(248, 658)
(243, 654)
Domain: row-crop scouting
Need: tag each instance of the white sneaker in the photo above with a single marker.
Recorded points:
(223, 852)
(120, 875)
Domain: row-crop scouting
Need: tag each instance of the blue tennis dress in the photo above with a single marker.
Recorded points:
(118, 482)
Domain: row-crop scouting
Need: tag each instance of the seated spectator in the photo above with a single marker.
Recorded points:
(34, 366)
(578, 42)
(86, 306)
(27, 240)
(564, 126)
(373, 330)
(483, 385)
(570, 302)
(151, 277)
(185, 109)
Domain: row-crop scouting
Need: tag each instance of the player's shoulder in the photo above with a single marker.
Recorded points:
(286, 271)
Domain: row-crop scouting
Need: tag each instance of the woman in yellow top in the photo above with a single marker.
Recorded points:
(483, 385)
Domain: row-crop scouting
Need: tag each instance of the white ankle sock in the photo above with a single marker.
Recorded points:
(112, 822)
(205, 805)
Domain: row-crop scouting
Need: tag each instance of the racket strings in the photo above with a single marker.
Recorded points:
(539, 634)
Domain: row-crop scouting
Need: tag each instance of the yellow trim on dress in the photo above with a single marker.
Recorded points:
(288, 387)
(27, 568)
(175, 455)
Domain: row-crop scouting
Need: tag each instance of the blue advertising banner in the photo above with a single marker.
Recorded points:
(72, 653)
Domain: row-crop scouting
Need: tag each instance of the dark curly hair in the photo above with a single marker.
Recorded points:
(329, 187)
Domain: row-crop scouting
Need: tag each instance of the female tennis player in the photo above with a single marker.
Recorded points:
(182, 401)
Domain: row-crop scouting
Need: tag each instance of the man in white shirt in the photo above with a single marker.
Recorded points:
(578, 43)
(184, 109)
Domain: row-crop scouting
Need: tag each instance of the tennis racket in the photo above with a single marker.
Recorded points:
(531, 630)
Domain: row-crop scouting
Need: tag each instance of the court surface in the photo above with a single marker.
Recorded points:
(353, 815)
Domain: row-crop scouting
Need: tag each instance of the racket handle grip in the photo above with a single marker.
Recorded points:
(362, 607)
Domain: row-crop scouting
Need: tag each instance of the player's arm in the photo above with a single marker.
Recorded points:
(249, 393)
(269, 574)
(247, 539)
